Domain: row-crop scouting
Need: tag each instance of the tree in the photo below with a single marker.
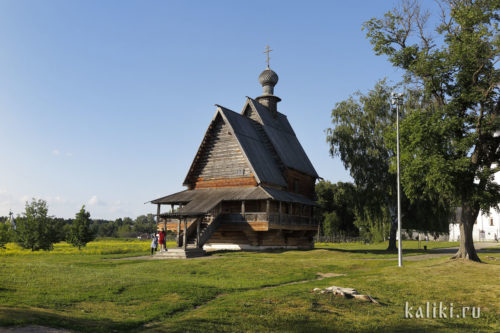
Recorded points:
(360, 124)
(35, 230)
(363, 136)
(145, 224)
(449, 145)
(337, 205)
(4, 234)
(81, 232)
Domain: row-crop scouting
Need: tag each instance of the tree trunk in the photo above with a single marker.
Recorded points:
(466, 220)
(392, 235)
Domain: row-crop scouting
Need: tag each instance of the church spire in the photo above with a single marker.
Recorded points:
(268, 79)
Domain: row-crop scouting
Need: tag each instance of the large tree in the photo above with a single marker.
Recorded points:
(35, 230)
(363, 136)
(449, 145)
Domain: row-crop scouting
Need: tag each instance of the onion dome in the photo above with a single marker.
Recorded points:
(268, 79)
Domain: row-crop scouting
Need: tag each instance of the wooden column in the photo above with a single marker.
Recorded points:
(184, 244)
(243, 208)
(312, 215)
(198, 222)
(171, 208)
(157, 215)
(179, 233)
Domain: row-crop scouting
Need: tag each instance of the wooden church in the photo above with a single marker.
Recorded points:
(250, 185)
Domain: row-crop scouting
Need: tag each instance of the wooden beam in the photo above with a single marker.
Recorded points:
(184, 244)
(268, 206)
(158, 214)
(179, 233)
(198, 222)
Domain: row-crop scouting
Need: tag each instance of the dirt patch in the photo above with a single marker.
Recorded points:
(33, 329)
(329, 275)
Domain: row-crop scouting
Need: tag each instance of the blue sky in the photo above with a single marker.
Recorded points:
(104, 103)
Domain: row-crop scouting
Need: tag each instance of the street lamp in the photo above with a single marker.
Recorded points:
(397, 99)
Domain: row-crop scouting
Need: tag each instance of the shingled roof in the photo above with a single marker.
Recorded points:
(282, 137)
(202, 200)
(265, 162)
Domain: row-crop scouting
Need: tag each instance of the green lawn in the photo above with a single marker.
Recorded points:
(241, 291)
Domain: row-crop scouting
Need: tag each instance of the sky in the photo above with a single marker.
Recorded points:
(104, 103)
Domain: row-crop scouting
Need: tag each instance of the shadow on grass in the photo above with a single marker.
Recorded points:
(203, 325)
(24, 317)
(354, 251)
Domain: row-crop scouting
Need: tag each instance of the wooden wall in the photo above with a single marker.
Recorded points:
(221, 162)
(305, 183)
(226, 234)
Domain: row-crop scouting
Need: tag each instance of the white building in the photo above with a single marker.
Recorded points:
(487, 226)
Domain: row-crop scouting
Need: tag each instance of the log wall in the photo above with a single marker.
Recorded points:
(227, 234)
(221, 162)
(301, 183)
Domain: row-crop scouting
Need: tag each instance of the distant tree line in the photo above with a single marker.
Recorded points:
(36, 230)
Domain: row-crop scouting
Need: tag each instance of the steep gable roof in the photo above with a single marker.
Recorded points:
(282, 137)
(259, 158)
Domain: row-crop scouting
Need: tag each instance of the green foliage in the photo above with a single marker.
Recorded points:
(337, 204)
(145, 224)
(4, 234)
(374, 223)
(363, 136)
(125, 231)
(448, 137)
(81, 232)
(450, 141)
(35, 230)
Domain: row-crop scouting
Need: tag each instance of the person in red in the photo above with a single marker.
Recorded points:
(162, 240)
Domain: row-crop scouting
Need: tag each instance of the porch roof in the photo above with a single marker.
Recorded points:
(203, 200)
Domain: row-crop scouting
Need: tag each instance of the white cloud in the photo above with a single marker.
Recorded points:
(93, 201)
(69, 154)
(56, 152)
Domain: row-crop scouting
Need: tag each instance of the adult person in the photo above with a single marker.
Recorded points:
(162, 240)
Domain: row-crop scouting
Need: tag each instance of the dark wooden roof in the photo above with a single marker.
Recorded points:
(261, 161)
(264, 161)
(202, 200)
(283, 138)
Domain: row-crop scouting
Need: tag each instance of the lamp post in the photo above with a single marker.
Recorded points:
(397, 99)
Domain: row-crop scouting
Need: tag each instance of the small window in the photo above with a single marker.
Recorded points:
(491, 221)
(240, 172)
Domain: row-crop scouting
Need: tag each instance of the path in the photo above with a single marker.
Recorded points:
(435, 253)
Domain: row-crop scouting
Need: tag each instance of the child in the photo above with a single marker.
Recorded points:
(154, 243)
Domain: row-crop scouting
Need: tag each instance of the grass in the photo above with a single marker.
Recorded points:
(90, 291)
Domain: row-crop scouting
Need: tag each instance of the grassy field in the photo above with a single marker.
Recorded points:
(93, 291)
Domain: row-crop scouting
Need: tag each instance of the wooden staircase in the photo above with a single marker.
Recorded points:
(194, 242)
